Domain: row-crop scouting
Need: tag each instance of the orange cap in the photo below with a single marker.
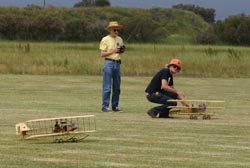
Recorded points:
(176, 62)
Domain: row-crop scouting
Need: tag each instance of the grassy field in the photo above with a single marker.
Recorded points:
(48, 58)
(129, 139)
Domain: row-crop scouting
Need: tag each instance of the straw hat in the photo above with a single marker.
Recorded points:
(114, 24)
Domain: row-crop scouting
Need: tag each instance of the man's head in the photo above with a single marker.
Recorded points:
(174, 65)
(114, 28)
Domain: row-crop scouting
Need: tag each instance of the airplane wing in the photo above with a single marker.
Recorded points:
(58, 134)
(60, 118)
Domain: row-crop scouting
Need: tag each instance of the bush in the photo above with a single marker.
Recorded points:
(47, 28)
(73, 30)
(234, 30)
(8, 27)
(143, 28)
(207, 37)
(208, 14)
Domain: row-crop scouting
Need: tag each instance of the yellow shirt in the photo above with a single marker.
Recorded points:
(109, 43)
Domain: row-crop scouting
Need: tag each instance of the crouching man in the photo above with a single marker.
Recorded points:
(161, 89)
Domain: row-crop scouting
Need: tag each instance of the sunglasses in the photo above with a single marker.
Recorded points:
(176, 67)
(116, 30)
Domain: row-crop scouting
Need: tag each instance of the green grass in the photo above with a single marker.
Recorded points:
(176, 39)
(47, 58)
(129, 139)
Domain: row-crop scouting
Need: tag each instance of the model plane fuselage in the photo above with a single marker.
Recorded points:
(196, 108)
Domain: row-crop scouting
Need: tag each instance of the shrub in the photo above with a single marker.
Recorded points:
(234, 30)
(47, 28)
(8, 26)
(143, 28)
(207, 37)
(73, 30)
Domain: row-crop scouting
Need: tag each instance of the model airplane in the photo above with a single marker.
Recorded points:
(63, 129)
(195, 108)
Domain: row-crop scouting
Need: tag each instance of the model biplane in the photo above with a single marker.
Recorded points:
(196, 108)
(63, 129)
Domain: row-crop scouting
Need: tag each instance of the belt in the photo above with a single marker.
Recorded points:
(117, 61)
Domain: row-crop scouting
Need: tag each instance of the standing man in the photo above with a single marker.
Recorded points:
(111, 47)
(161, 89)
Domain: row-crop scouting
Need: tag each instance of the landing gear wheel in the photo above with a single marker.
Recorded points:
(193, 117)
(56, 140)
(206, 117)
(73, 140)
(61, 140)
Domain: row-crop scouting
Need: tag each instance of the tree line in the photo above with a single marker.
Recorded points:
(88, 23)
(233, 30)
(140, 25)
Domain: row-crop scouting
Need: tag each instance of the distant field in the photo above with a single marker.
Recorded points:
(48, 58)
(129, 139)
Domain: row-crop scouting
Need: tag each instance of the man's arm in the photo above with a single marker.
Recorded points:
(165, 86)
(108, 53)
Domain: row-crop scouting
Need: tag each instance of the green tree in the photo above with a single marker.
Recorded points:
(8, 27)
(142, 27)
(207, 37)
(102, 3)
(208, 14)
(85, 3)
(91, 3)
(47, 28)
(234, 29)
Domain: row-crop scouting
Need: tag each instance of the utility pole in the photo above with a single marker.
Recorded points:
(44, 3)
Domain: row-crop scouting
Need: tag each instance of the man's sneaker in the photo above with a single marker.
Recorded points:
(105, 109)
(117, 109)
(151, 114)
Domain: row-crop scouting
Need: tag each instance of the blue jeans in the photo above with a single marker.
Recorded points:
(162, 98)
(111, 80)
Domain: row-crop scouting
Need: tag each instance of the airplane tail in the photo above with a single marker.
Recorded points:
(21, 129)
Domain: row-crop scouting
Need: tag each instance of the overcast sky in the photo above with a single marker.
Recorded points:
(224, 8)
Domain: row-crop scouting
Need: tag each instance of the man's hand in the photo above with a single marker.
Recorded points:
(122, 49)
(184, 104)
(180, 94)
(116, 50)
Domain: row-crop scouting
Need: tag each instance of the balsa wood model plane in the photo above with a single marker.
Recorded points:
(63, 129)
(196, 108)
